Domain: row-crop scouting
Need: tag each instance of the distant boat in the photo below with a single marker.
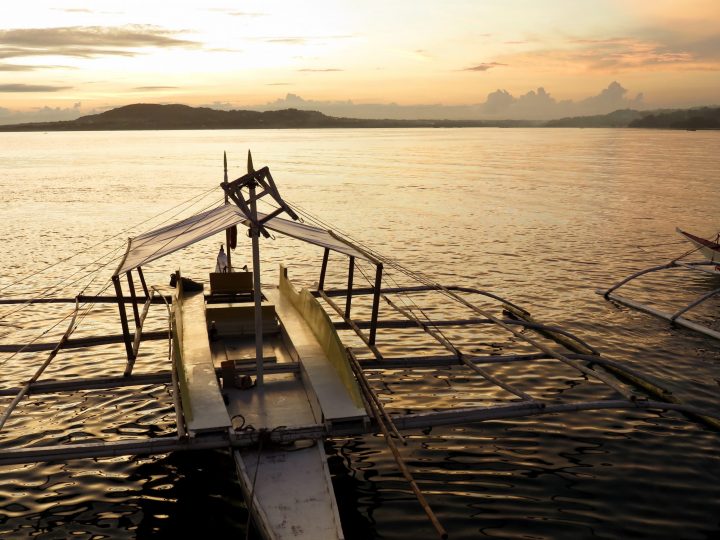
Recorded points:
(710, 249)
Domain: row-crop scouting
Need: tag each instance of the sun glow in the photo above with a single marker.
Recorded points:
(106, 54)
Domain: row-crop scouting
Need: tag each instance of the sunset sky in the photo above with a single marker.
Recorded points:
(61, 59)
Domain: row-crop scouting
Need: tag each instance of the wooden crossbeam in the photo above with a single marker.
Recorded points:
(53, 386)
(244, 439)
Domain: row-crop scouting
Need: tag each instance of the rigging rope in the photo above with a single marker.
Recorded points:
(426, 280)
(88, 305)
(107, 239)
(52, 288)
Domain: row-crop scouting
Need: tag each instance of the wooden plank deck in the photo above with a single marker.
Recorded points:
(292, 494)
(203, 408)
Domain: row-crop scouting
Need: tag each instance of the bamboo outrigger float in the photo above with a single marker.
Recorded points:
(709, 249)
(308, 384)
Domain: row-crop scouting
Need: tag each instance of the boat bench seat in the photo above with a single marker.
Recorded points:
(238, 318)
(202, 402)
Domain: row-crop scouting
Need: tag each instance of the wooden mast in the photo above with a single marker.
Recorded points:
(257, 295)
(227, 231)
(234, 190)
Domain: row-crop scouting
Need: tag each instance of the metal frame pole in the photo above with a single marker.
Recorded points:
(348, 301)
(123, 318)
(323, 269)
(227, 231)
(142, 282)
(133, 297)
(376, 303)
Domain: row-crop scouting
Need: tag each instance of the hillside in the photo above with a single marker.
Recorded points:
(696, 118)
(144, 116)
(620, 118)
(701, 118)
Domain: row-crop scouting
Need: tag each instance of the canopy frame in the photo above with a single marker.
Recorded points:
(244, 192)
(132, 344)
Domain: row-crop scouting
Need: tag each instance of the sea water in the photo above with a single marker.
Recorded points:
(542, 217)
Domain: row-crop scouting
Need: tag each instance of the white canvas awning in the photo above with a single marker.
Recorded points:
(155, 244)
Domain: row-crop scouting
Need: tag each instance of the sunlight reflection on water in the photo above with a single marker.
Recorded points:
(539, 216)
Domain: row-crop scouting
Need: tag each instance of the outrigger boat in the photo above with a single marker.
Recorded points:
(309, 384)
(711, 251)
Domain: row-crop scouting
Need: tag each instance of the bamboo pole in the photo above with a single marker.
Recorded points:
(55, 386)
(460, 356)
(77, 343)
(622, 282)
(628, 374)
(245, 439)
(83, 298)
(405, 471)
(179, 418)
(142, 283)
(679, 321)
(572, 363)
(24, 390)
(370, 394)
(336, 292)
(696, 303)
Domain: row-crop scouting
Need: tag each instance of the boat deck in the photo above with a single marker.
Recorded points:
(289, 485)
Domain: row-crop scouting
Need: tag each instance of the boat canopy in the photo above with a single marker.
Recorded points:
(155, 244)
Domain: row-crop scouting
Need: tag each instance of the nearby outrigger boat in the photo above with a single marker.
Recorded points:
(708, 248)
(308, 384)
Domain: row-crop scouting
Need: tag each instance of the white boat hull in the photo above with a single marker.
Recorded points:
(292, 495)
(710, 250)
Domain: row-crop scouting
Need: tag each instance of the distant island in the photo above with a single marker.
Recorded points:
(145, 116)
(692, 119)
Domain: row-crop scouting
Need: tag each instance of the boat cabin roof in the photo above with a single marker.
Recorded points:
(155, 244)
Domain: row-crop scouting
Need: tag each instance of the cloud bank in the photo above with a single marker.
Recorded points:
(498, 105)
(43, 114)
(501, 104)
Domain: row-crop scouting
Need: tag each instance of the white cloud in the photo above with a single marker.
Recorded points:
(501, 104)
(43, 114)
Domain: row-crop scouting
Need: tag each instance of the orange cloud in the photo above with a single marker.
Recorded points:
(484, 66)
(625, 54)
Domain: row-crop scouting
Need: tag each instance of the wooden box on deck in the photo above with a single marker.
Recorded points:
(231, 282)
